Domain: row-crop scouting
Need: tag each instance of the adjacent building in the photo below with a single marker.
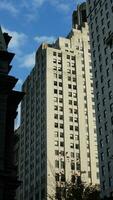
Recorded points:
(58, 138)
(9, 100)
(100, 19)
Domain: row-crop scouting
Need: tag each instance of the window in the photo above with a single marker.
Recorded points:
(70, 94)
(61, 108)
(57, 177)
(72, 145)
(55, 83)
(108, 151)
(56, 125)
(101, 143)
(109, 83)
(70, 102)
(76, 128)
(61, 126)
(109, 166)
(105, 51)
(102, 21)
(72, 155)
(102, 156)
(60, 76)
(100, 130)
(61, 134)
(77, 146)
(60, 100)
(110, 181)
(71, 127)
(108, 24)
(56, 152)
(56, 163)
(102, 90)
(55, 107)
(74, 87)
(70, 110)
(102, 78)
(61, 117)
(110, 95)
(66, 44)
(103, 184)
(62, 144)
(96, 84)
(71, 136)
(107, 72)
(107, 139)
(59, 55)
(104, 101)
(68, 56)
(54, 53)
(55, 99)
(55, 91)
(100, 67)
(69, 86)
(56, 143)
(72, 166)
(62, 164)
(99, 118)
(60, 84)
(56, 134)
(103, 170)
(100, 57)
(111, 107)
(56, 116)
(71, 119)
(60, 92)
(106, 126)
(97, 95)
(69, 78)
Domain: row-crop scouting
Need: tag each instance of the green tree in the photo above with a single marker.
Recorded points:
(77, 190)
(91, 192)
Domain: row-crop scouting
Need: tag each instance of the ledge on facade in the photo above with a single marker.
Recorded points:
(7, 83)
(6, 56)
(7, 38)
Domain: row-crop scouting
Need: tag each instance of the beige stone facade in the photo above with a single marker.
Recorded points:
(58, 131)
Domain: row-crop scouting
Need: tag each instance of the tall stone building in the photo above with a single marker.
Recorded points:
(100, 19)
(58, 133)
(9, 100)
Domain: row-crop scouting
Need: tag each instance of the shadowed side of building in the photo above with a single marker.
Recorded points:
(9, 100)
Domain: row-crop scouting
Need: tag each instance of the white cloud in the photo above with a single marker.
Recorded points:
(61, 5)
(8, 6)
(27, 61)
(64, 7)
(41, 39)
(18, 40)
(38, 3)
(32, 5)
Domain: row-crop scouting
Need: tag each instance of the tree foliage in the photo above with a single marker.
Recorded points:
(77, 190)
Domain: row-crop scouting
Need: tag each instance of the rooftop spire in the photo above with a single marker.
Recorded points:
(79, 16)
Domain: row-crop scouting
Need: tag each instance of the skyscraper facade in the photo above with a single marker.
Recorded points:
(58, 133)
(100, 16)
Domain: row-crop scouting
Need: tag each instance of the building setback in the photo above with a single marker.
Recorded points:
(9, 100)
(58, 133)
(100, 19)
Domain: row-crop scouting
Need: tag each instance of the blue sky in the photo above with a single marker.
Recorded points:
(31, 22)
